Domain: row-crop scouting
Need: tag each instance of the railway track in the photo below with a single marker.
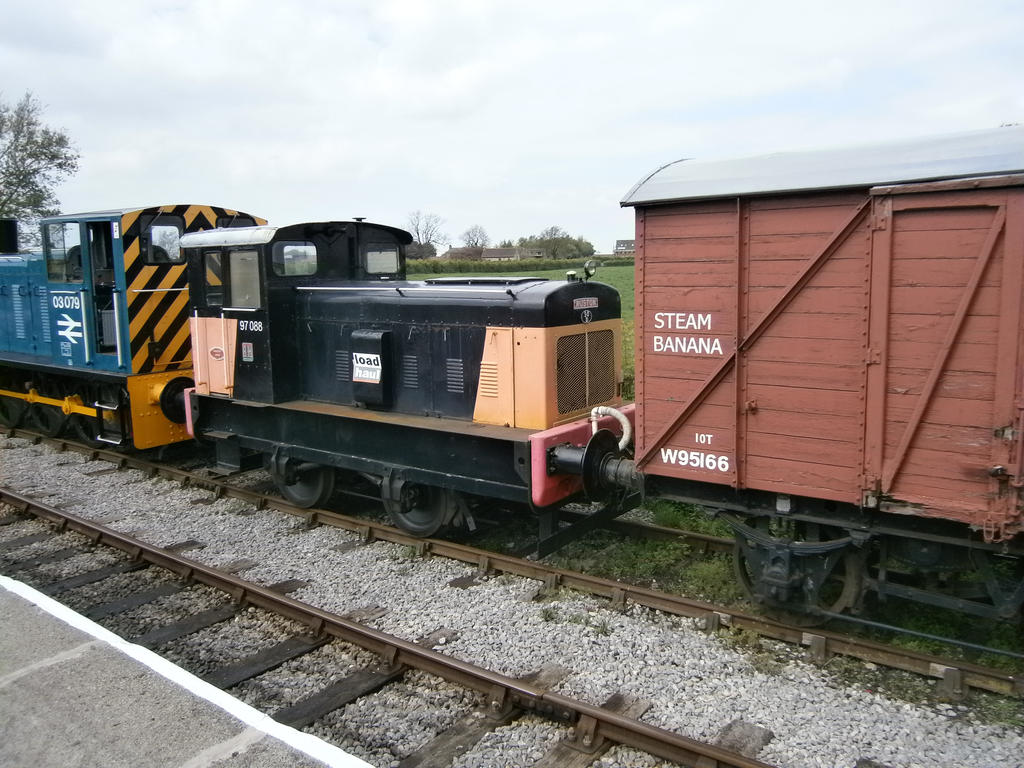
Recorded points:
(504, 699)
(955, 677)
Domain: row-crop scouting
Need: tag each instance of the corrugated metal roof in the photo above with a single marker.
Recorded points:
(961, 155)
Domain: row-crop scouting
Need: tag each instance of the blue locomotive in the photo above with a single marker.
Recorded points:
(94, 333)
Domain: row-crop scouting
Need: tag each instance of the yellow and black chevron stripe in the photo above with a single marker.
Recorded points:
(158, 301)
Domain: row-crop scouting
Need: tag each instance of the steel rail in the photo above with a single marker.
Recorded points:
(956, 675)
(703, 541)
(503, 692)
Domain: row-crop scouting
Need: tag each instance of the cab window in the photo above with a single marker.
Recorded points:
(294, 258)
(244, 279)
(214, 279)
(63, 248)
(381, 258)
(162, 245)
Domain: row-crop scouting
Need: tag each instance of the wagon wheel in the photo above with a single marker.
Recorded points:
(840, 592)
(311, 487)
(423, 510)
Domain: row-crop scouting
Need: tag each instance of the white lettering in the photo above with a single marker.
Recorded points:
(366, 368)
(695, 459)
(682, 321)
(688, 345)
(66, 301)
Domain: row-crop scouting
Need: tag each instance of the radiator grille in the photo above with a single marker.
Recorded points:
(586, 370)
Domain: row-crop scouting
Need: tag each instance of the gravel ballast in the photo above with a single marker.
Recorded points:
(695, 683)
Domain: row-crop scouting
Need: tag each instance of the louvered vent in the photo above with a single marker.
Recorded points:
(343, 365)
(410, 372)
(586, 370)
(454, 375)
(19, 313)
(488, 379)
(44, 314)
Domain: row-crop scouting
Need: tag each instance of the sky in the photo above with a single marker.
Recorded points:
(515, 115)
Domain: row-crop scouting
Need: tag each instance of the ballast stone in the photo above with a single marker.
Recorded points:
(743, 737)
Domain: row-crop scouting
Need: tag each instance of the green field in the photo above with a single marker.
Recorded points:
(619, 277)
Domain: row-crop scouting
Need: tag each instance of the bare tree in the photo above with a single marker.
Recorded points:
(34, 159)
(476, 237)
(426, 234)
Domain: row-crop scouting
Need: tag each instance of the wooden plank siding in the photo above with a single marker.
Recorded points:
(880, 362)
(942, 460)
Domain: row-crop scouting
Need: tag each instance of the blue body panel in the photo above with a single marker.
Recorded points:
(68, 321)
(25, 317)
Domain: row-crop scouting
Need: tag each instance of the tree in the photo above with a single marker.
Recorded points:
(34, 159)
(476, 237)
(558, 244)
(426, 235)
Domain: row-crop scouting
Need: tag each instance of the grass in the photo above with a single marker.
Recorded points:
(666, 565)
(686, 517)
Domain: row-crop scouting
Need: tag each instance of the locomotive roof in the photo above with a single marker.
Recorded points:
(961, 155)
(112, 212)
(228, 236)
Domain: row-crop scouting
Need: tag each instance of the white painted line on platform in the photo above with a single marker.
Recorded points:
(308, 744)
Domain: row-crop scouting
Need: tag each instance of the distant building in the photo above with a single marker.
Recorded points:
(469, 253)
(625, 246)
(512, 254)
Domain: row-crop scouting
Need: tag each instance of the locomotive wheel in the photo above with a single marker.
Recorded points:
(839, 592)
(311, 488)
(47, 419)
(85, 429)
(11, 411)
(423, 511)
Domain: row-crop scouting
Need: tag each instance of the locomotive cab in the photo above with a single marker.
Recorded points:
(245, 283)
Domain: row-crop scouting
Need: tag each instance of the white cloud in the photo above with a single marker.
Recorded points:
(513, 115)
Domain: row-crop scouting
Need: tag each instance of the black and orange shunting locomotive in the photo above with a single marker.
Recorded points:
(316, 357)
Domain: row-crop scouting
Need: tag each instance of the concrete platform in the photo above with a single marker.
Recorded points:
(73, 694)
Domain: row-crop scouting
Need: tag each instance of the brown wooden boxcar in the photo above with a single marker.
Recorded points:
(837, 337)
